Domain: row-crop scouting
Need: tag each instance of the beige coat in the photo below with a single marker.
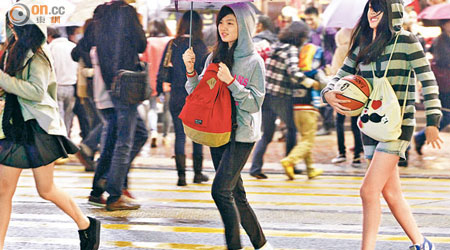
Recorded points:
(35, 88)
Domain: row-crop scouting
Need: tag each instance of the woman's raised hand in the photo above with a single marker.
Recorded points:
(224, 73)
(331, 98)
(189, 59)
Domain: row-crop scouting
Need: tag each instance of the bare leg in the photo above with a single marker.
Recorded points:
(376, 177)
(8, 182)
(46, 188)
(393, 195)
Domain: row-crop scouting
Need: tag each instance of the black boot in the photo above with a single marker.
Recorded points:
(198, 166)
(180, 161)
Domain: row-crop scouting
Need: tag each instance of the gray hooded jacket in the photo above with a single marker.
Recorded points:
(248, 88)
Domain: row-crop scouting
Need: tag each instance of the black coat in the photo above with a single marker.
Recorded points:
(119, 38)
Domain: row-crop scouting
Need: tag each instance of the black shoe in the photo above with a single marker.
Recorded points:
(418, 146)
(259, 176)
(181, 181)
(199, 178)
(90, 237)
(153, 143)
(298, 171)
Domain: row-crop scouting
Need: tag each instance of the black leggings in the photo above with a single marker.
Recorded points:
(229, 194)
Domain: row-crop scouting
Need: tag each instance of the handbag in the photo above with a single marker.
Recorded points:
(382, 117)
(131, 87)
(165, 72)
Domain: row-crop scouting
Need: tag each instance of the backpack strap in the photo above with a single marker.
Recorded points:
(406, 94)
(390, 57)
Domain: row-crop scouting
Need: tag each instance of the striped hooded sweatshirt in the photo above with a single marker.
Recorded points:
(408, 55)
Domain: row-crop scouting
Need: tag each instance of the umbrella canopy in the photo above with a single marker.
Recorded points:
(345, 13)
(436, 12)
(211, 4)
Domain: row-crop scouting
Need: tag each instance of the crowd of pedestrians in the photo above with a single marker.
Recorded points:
(48, 76)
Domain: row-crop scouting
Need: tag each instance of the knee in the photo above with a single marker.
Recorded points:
(6, 191)
(368, 194)
(46, 193)
(392, 195)
(219, 194)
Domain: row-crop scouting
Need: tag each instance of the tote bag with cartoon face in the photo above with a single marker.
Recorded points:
(382, 117)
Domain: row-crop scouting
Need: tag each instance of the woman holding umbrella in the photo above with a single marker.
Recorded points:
(242, 70)
(377, 37)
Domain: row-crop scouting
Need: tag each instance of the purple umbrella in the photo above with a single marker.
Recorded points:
(204, 1)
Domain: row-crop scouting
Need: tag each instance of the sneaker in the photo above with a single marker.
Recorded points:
(356, 163)
(426, 245)
(314, 172)
(323, 131)
(127, 193)
(122, 204)
(266, 246)
(259, 176)
(90, 237)
(339, 159)
(97, 201)
(288, 168)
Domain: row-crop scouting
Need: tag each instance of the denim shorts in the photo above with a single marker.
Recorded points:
(397, 147)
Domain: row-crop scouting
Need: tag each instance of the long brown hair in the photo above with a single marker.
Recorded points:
(362, 36)
(197, 25)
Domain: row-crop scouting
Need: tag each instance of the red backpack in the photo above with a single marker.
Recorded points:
(207, 113)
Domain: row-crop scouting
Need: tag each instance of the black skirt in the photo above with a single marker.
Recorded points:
(41, 150)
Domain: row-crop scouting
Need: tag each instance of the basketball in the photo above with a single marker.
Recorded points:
(357, 90)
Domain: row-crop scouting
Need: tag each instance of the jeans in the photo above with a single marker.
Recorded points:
(272, 107)
(180, 136)
(66, 102)
(229, 194)
(92, 140)
(306, 122)
(340, 119)
(166, 118)
(125, 134)
(445, 121)
(327, 116)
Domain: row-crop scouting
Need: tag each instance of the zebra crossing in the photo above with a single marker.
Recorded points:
(324, 213)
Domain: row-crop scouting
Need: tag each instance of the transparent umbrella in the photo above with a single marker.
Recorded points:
(181, 4)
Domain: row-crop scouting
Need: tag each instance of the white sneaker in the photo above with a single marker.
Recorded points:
(338, 159)
(266, 246)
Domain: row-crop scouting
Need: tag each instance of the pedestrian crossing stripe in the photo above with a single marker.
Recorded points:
(213, 230)
(126, 244)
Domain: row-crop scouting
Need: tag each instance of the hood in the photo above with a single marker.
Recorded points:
(266, 35)
(246, 19)
(398, 11)
(42, 26)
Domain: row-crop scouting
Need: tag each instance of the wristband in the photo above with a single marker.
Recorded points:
(228, 84)
(191, 74)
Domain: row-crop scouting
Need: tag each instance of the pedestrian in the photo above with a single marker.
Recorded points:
(242, 69)
(159, 37)
(284, 64)
(441, 68)
(374, 42)
(325, 38)
(90, 143)
(278, 99)
(117, 26)
(342, 46)
(32, 133)
(66, 77)
(176, 78)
